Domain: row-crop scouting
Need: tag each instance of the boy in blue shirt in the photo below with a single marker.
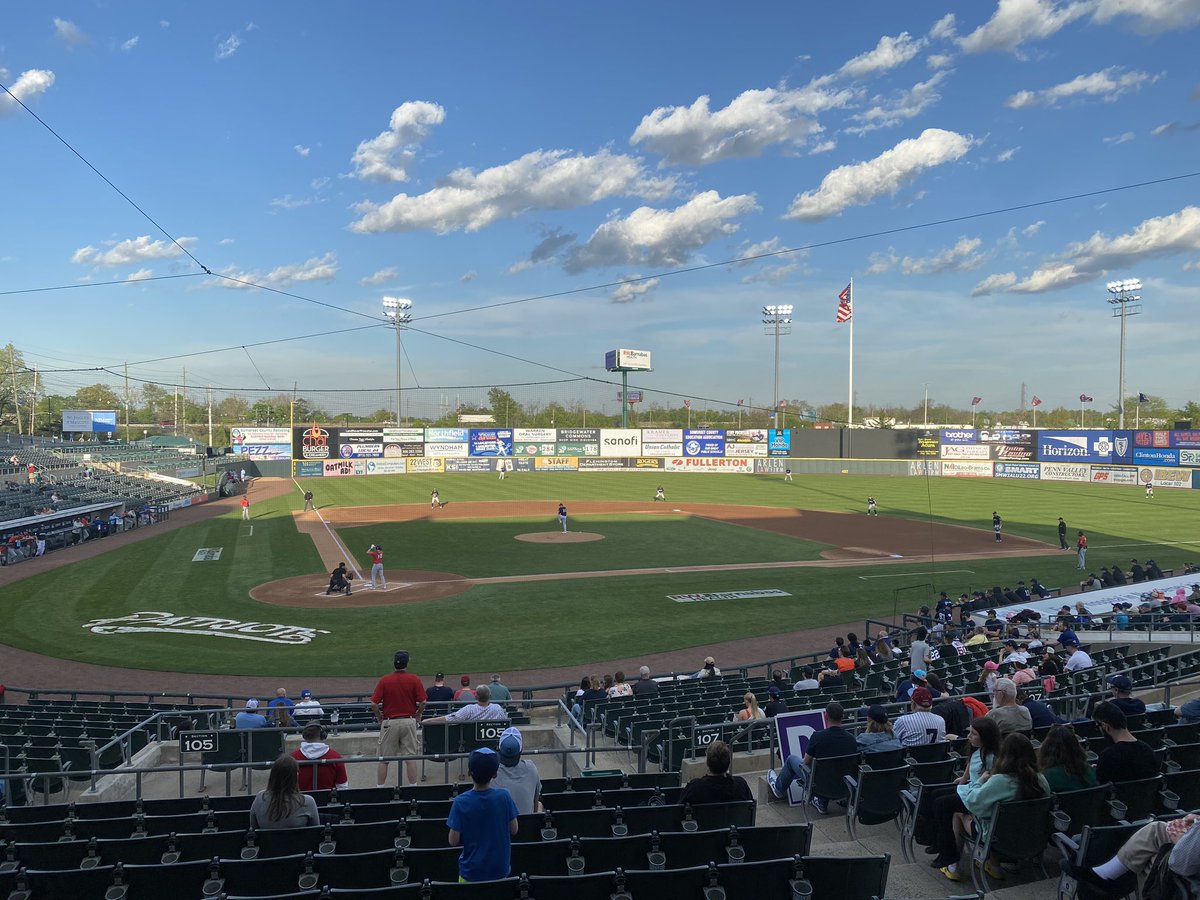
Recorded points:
(483, 822)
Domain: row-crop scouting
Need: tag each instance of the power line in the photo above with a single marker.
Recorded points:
(295, 296)
(520, 359)
(91, 284)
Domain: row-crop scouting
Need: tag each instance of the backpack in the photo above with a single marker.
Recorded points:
(1161, 883)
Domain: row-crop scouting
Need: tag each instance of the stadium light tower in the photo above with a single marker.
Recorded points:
(1127, 302)
(397, 309)
(777, 320)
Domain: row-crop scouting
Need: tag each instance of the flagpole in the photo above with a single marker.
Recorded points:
(974, 406)
(850, 403)
(1137, 416)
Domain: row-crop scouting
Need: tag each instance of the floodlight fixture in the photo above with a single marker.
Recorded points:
(398, 311)
(1126, 302)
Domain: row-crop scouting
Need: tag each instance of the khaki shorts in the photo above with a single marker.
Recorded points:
(398, 737)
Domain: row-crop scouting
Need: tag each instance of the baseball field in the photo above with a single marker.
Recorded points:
(487, 580)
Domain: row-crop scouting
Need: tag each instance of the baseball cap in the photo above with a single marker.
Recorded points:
(773, 691)
(483, 764)
(1020, 663)
(1121, 682)
(306, 694)
(251, 704)
(400, 660)
(465, 681)
(922, 697)
(877, 713)
(991, 664)
(919, 673)
(440, 676)
(510, 745)
(709, 661)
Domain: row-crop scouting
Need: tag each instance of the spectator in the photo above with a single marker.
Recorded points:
(1127, 759)
(778, 679)
(439, 692)
(709, 669)
(878, 735)
(1078, 659)
(1023, 674)
(398, 701)
(845, 662)
(920, 726)
(1189, 713)
(645, 686)
(836, 650)
(250, 717)
(1118, 876)
(483, 821)
(282, 805)
(918, 650)
(308, 709)
(1038, 588)
(978, 637)
(948, 802)
(518, 776)
(591, 694)
(1122, 696)
(1040, 714)
(1119, 578)
(620, 687)
(280, 708)
(464, 694)
(989, 675)
(862, 662)
(883, 648)
(483, 710)
(807, 682)
(1063, 761)
(833, 741)
(1007, 713)
(718, 785)
(322, 776)
(750, 711)
(775, 705)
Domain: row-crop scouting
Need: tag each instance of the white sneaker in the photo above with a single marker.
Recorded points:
(773, 783)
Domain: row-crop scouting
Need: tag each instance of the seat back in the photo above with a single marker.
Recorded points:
(763, 880)
(846, 878)
(828, 774)
(773, 841)
(1086, 807)
(939, 771)
(721, 815)
(1021, 829)
(923, 753)
(877, 799)
(1140, 797)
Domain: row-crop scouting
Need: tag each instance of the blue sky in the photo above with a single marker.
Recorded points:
(466, 155)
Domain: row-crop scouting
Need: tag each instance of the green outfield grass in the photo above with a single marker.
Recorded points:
(569, 622)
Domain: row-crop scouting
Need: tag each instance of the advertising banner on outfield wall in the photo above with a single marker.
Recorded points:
(746, 436)
(966, 451)
(267, 452)
(1114, 475)
(1066, 472)
(491, 442)
(1185, 439)
(928, 445)
(360, 443)
(603, 465)
(359, 451)
(752, 450)
(1005, 436)
(660, 449)
(1014, 452)
(577, 448)
(580, 435)
(952, 468)
(478, 464)
(386, 466)
(447, 435)
(534, 436)
(314, 442)
(1075, 446)
(556, 464)
(705, 464)
(406, 450)
(340, 468)
(262, 443)
(526, 448)
(1030, 471)
(779, 442)
(308, 469)
(1155, 456)
(704, 442)
(923, 467)
(1189, 457)
(426, 465)
(663, 436)
(647, 463)
(620, 442)
(1196, 479)
(404, 435)
(960, 436)
(1152, 439)
(456, 451)
(1122, 448)
(1170, 478)
(771, 466)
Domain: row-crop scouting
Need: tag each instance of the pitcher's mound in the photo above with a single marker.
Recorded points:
(558, 537)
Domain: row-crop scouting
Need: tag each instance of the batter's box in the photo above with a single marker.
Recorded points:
(391, 586)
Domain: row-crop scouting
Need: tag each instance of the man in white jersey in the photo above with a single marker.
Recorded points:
(920, 726)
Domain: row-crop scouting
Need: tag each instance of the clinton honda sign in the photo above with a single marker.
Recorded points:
(1075, 446)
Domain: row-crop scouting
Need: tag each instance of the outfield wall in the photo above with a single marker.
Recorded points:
(1168, 459)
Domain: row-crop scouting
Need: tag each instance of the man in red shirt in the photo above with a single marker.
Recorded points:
(397, 703)
(378, 579)
(325, 775)
(245, 507)
(1081, 546)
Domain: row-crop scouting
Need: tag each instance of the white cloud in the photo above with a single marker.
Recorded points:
(543, 179)
(994, 283)
(140, 275)
(1091, 259)
(1007, 155)
(749, 252)
(389, 273)
(386, 156)
(904, 105)
(1122, 138)
(545, 250)
(1175, 127)
(944, 28)
(1031, 230)
(939, 60)
(317, 268)
(130, 251)
(878, 263)
(317, 183)
(302, 150)
(287, 201)
(225, 242)
(771, 274)
(29, 85)
(69, 33)
(1193, 266)
(163, 23)
(962, 257)
(1150, 15)
(859, 183)
(228, 47)
(1107, 84)
(1016, 21)
(754, 120)
(660, 237)
(631, 290)
(130, 44)
(468, 277)
(889, 53)
(823, 147)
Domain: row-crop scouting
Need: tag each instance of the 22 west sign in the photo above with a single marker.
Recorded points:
(204, 626)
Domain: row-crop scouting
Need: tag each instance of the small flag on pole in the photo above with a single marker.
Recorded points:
(844, 311)
(1142, 398)
(739, 403)
(1084, 398)
(1037, 401)
(687, 404)
(975, 401)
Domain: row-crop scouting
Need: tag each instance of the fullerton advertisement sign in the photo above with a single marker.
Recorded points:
(205, 626)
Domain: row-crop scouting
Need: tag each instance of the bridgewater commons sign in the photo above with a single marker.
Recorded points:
(203, 626)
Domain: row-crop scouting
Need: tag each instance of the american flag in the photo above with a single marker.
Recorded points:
(739, 403)
(975, 401)
(1142, 398)
(1037, 401)
(844, 312)
(1084, 398)
(687, 404)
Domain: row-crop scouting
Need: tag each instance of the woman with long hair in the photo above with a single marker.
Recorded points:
(883, 650)
(1063, 761)
(862, 661)
(983, 738)
(282, 805)
(878, 735)
(620, 687)
(751, 710)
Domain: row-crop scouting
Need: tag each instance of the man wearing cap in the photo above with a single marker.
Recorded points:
(483, 710)
(775, 705)
(377, 576)
(483, 821)
(464, 694)
(518, 776)
(1081, 548)
(1022, 674)
(319, 776)
(834, 740)
(877, 737)
(250, 717)
(500, 694)
(1079, 659)
(438, 692)
(709, 669)
(920, 726)
(1009, 715)
(645, 686)
(1067, 636)
(307, 709)
(398, 700)
(717, 785)
(1122, 696)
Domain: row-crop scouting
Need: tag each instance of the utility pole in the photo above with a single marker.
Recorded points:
(33, 406)
(183, 403)
(175, 408)
(127, 401)
(210, 417)
(12, 364)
